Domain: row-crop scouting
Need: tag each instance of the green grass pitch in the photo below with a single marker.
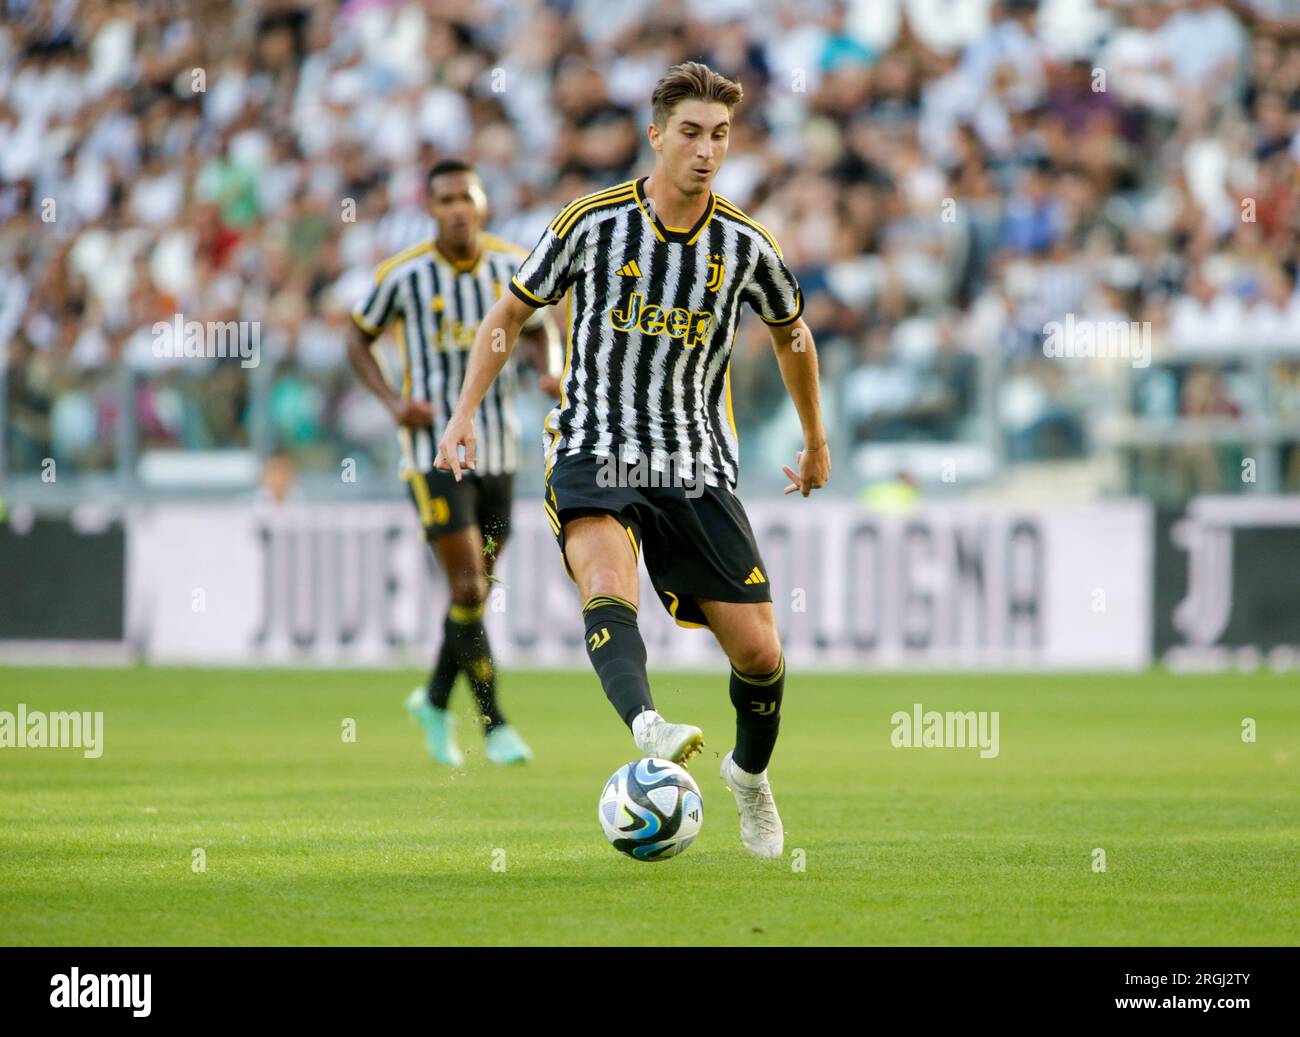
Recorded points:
(313, 840)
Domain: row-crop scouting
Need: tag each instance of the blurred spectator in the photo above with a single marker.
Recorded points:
(279, 481)
(946, 179)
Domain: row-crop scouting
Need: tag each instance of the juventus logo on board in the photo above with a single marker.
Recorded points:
(1203, 614)
(717, 271)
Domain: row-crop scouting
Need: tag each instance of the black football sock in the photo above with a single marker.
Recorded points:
(482, 674)
(618, 654)
(757, 698)
(445, 669)
(474, 656)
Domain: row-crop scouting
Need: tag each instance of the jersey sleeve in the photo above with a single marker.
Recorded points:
(374, 311)
(550, 268)
(537, 319)
(772, 290)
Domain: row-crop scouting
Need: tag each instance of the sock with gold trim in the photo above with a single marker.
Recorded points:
(757, 698)
(617, 653)
(469, 641)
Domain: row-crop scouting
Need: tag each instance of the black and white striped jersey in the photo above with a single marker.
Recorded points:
(653, 312)
(437, 306)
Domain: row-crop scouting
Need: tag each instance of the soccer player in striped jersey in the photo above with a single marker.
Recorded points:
(641, 451)
(436, 294)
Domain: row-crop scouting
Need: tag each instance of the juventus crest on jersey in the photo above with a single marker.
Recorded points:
(437, 306)
(653, 312)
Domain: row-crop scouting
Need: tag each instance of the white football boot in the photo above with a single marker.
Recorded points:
(760, 825)
(657, 739)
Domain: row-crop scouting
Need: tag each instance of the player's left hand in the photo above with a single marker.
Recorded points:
(814, 470)
(549, 384)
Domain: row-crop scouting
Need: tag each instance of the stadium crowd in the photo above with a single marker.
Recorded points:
(945, 179)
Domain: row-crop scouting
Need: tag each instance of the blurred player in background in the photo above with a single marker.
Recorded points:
(657, 270)
(436, 294)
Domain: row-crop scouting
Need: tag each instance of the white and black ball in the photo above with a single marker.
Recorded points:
(651, 810)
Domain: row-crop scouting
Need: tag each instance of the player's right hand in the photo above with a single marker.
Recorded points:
(459, 431)
(814, 470)
(413, 413)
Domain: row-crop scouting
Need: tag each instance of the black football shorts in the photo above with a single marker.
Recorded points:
(447, 506)
(696, 540)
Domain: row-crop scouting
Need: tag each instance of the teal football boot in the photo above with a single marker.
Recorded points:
(439, 728)
(505, 746)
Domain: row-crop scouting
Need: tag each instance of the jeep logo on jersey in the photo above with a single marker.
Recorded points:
(649, 319)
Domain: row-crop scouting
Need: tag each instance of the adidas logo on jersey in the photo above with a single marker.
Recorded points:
(629, 270)
(756, 576)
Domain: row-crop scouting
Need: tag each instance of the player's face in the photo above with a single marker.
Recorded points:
(693, 144)
(457, 201)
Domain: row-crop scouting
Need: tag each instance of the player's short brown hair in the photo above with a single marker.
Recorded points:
(692, 81)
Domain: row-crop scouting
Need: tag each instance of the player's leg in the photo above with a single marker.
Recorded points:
(460, 555)
(503, 743)
(603, 552)
(710, 574)
(747, 633)
(597, 526)
(447, 515)
(449, 549)
(602, 559)
(429, 703)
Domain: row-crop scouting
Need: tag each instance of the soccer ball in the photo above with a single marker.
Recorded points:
(651, 810)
